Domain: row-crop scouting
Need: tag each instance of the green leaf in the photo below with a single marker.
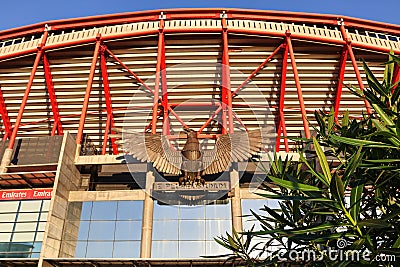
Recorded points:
(322, 161)
(397, 243)
(345, 119)
(374, 223)
(383, 115)
(355, 201)
(354, 162)
(337, 188)
(293, 185)
(318, 175)
(360, 142)
(291, 198)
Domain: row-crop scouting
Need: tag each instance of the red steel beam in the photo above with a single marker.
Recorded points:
(210, 118)
(52, 95)
(89, 84)
(298, 86)
(128, 70)
(27, 90)
(281, 118)
(339, 86)
(226, 79)
(260, 67)
(4, 116)
(355, 66)
(107, 95)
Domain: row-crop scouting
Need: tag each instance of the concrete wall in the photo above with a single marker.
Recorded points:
(67, 179)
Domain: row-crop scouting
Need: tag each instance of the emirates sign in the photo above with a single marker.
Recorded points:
(26, 194)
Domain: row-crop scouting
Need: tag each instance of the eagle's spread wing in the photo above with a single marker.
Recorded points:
(154, 148)
(239, 146)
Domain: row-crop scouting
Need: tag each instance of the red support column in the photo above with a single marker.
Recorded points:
(88, 90)
(27, 90)
(164, 86)
(107, 95)
(226, 79)
(339, 87)
(281, 126)
(52, 95)
(355, 66)
(298, 86)
(157, 80)
(4, 116)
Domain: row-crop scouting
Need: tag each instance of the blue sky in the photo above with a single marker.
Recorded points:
(14, 13)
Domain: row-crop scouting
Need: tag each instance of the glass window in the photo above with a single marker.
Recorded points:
(20, 227)
(28, 217)
(221, 211)
(7, 217)
(80, 251)
(104, 210)
(23, 237)
(165, 230)
(6, 227)
(86, 210)
(101, 230)
(126, 249)
(130, 210)
(108, 229)
(216, 228)
(9, 206)
(191, 249)
(30, 206)
(164, 249)
(192, 230)
(99, 250)
(165, 212)
(128, 230)
(192, 212)
(25, 227)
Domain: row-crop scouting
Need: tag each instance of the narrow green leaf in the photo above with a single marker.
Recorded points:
(271, 196)
(374, 223)
(383, 115)
(355, 201)
(294, 185)
(359, 142)
(331, 119)
(393, 139)
(337, 188)
(353, 163)
(397, 243)
(322, 161)
(318, 175)
(345, 119)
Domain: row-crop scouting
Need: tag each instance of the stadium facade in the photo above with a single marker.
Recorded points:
(68, 196)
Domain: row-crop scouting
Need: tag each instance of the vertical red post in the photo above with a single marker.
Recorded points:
(164, 87)
(298, 86)
(4, 116)
(52, 95)
(281, 126)
(27, 90)
(87, 92)
(355, 66)
(226, 79)
(107, 96)
(158, 77)
(339, 86)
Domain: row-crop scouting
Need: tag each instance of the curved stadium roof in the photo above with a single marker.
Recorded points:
(88, 71)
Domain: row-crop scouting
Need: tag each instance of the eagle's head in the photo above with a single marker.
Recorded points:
(191, 133)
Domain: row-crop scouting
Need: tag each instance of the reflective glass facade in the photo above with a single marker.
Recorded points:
(22, 225)
(110, 229)
(189, 231)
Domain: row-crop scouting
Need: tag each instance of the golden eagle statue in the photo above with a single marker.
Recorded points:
(192, 162)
